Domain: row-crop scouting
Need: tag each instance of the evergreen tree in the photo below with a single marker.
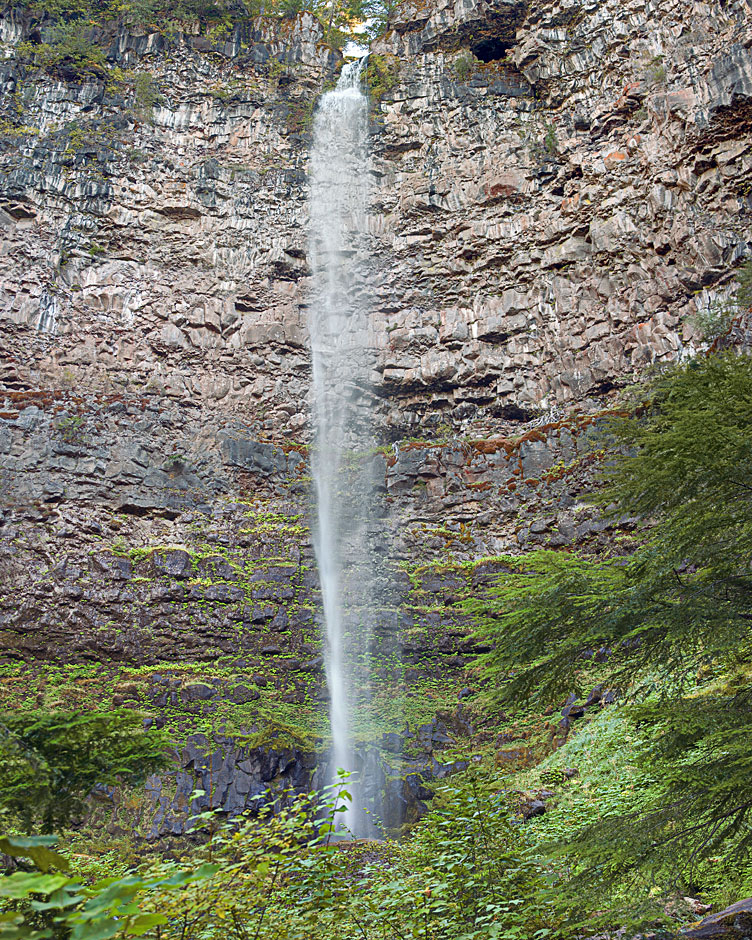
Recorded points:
(674, 618)
(52, 760)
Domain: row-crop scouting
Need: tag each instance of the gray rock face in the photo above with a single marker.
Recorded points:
(733, 922)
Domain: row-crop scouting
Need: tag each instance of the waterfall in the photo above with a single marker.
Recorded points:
(338, 320)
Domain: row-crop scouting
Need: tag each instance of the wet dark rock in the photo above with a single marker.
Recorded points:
(392, 742)
(313, 665)
(442, 771)
(573, 710)
(255, 456)
(241, 694)
(114, 567)
(197, 692)
(594, 697)
(533, 808)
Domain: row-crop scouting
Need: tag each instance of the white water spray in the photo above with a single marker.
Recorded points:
(338, 329)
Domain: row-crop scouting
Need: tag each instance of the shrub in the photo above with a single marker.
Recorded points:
(52, 760)
(382, 74)
(464, 66)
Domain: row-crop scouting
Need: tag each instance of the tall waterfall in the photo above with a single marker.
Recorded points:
(338, 329)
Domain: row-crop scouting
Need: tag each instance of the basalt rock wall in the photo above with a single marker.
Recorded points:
(560, 192)
(544, 224)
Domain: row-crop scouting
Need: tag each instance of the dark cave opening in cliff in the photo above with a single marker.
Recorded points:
(490, 50)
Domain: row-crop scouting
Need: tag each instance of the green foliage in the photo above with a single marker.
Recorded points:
(374, 14)
(36, 848)
(655, 72)
(550, 141)
(71, 9)
(145, 93)
(382, 74)
(744, 291)
(37, 905)
(686, 595)
(468, 873)
(462, 876)
(675, 619)
(542, 616)
(70, 54)
(464, 65)
(52, 760)
(474, 867)
(71, 429)
(289, 9)
(716, 321)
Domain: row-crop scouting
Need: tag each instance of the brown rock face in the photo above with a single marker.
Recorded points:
(560, 212)
(545, 218)
(558, 189)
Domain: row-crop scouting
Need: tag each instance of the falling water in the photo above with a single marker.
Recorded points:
(338, 329)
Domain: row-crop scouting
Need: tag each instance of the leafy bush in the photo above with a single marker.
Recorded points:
(550, 141)
(382, 74)
(717, 320)
(464, 65)
(69, 54)
(744, 291)
(146, 94)
(467, 874)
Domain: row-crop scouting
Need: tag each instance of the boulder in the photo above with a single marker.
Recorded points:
(734, 923)
(197, 692)
(241, 694)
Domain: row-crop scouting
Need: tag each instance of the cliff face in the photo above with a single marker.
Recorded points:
(556, 218)
(548, 215)
(543, 222)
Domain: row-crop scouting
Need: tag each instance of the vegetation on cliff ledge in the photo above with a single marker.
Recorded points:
(70, 38)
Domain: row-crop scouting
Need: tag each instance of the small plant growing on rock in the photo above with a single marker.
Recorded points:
(146, 95)
(176, 462)
(550, 141)
(656, 71)
(744, 292)
(382, 74)
(464, 66)
(71, 430)
(70, 55)
(719, 318)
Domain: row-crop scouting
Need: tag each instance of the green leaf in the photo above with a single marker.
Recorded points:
(23, 884)
(139, 925)
(37, 848)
